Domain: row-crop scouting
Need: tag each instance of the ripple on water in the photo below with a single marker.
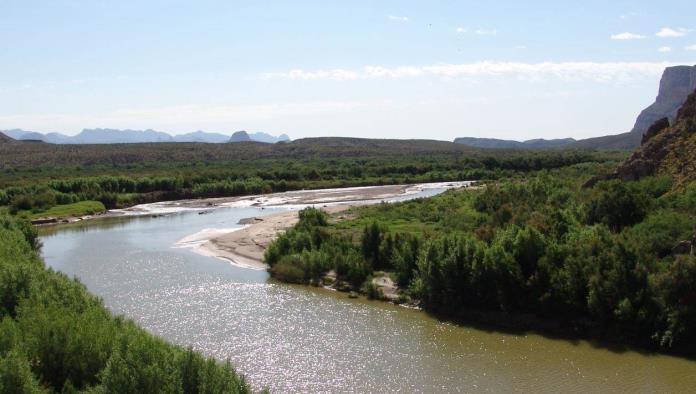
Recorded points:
(298, 339)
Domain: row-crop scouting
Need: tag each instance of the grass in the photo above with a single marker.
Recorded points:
(77, 209)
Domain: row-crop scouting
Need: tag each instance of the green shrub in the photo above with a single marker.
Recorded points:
(289, 269)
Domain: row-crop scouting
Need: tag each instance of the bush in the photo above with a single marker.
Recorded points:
(74, 343)
(289, 269)
(618, 207)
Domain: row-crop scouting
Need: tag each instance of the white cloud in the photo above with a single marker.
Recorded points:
(398, 18)
(668, 32)
(603, 72)
(626, 36)
(521, 47)
(486, 32)
(690, 47)
(462, 30)
(665, 49)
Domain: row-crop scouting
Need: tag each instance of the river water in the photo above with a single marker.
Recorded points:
(300, 339)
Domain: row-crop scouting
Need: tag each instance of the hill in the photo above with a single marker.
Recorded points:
(31, 155)
(492, 143)
(117, 136)
(666, 149)
(623, 141)
(240, 136)
(201, 136)
(5, 139)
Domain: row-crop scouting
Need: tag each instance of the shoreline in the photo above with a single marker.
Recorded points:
(290, 199)
(245, 247)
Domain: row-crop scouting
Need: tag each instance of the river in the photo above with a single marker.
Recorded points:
(300, 339)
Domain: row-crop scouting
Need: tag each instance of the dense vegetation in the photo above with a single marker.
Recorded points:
(28, 184)
(56, 337)
(598, 262)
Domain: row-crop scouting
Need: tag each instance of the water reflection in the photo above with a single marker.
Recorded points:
(301, 339)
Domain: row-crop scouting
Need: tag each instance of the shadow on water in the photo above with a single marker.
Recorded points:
(103, 223)
(570, 331)
(518, 324)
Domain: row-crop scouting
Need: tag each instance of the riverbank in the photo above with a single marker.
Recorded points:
(246, 246)
(296, 338)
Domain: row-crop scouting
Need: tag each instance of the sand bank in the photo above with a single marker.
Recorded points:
(245, 246)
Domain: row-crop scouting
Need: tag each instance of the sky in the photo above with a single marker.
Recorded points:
(377, 69)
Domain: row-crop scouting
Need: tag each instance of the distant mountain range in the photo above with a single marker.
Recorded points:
(675, 86)
(115, 136)
(492, 143)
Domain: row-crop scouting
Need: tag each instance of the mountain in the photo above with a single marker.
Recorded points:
(666, 149)
(57, 138)
(623, 141)
(4, 139)
(15, 133)
(676, 84)
(202, 136)
(492, 143)
(240, 136)
(31, 136)
(115, 136)
(267, 138)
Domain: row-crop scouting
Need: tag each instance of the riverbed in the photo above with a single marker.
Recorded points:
(301, 339)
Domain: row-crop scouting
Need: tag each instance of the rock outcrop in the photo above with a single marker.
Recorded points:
(653, 130)
(667, 150)
(240, 136)
(675, 86)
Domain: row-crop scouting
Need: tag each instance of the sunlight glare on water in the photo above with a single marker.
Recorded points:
(299, 339)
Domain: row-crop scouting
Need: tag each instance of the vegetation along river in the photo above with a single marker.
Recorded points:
(301, 339)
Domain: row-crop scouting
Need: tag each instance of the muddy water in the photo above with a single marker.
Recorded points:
(298, 339)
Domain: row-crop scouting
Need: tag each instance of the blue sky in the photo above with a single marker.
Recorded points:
(393, 69)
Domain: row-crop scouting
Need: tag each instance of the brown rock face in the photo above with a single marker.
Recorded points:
(669, 150)
(655, 129)
(675, 86)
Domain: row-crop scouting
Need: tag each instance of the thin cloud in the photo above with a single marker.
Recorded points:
(398, 18)
(626, 36)
(183, 117)
(486, 32)
(690, 47)
(665, 49)
(461, 30)
(668, 32)
(602, 72)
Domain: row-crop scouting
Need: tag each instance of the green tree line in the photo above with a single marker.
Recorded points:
(599, 261)
(39, 188)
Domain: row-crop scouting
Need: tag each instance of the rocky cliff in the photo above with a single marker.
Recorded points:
(675, 86)
(666, 149)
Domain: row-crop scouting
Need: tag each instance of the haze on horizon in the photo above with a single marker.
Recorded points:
(397, 69)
